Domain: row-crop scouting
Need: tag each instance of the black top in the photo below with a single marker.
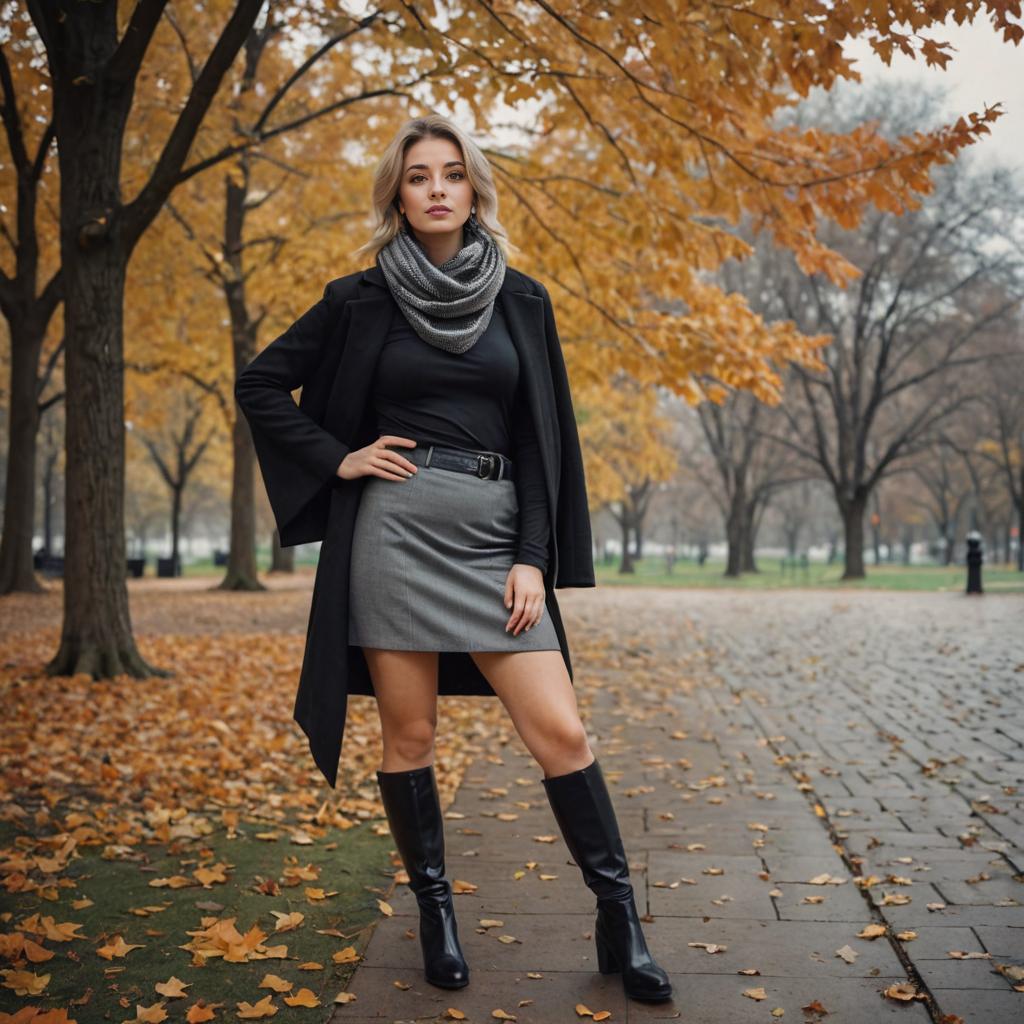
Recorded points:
(470, 400)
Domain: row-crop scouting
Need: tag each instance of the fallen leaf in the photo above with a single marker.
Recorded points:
(25, 983)
(275, 984)
(304, 997)
(815, 1007)
(117, 948)
(201, 1012)
(894, 899)
(903, 992)
(288, 922)
(173, 988)
(252, 1011)
(154, 1014)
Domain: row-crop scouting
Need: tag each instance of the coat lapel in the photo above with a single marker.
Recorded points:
(369, 317)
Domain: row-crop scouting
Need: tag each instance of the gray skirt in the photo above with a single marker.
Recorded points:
(430, 556)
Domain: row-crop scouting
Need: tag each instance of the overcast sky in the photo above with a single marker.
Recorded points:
(983, 70)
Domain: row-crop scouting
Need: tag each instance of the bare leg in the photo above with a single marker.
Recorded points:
(536, 690)
(405, 683)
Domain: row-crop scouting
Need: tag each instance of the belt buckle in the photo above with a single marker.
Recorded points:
(480, 466)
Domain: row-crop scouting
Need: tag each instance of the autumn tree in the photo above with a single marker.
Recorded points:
(931, 283)
(675, 121)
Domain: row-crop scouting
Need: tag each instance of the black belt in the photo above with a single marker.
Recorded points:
(485, 465)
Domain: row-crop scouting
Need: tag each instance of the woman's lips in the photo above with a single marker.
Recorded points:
(439, 213)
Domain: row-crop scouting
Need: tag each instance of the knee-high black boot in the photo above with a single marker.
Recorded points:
(414, 814)
(584, 812)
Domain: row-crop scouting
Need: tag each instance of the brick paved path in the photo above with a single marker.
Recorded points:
(764, 750)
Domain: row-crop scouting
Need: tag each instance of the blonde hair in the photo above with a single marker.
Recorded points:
(388, 177)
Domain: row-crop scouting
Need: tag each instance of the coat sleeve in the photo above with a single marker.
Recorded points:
(297, 457)
(572, 524)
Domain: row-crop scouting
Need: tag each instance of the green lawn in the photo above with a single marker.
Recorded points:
(351, 867)
(651, 572)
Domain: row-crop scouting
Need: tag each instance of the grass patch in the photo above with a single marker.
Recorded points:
(650, 572)
(353, 862)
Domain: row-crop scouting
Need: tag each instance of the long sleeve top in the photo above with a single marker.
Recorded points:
(468, 400)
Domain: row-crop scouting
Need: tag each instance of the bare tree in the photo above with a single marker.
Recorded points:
(932, 282)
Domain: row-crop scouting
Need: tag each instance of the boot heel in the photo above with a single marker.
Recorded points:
(606, 962)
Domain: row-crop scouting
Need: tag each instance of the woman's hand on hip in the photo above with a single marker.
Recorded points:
(379, 460)
(524, 594)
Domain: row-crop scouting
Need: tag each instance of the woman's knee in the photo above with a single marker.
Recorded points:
(412, 740)
(567, 736)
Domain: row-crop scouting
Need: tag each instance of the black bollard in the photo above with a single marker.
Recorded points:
(974, 560)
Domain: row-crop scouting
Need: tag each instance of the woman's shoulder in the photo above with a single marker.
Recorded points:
(526, 282)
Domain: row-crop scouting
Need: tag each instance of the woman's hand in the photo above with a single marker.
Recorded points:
(524, 589)
(377, 460)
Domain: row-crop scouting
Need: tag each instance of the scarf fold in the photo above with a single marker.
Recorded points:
(449, 306)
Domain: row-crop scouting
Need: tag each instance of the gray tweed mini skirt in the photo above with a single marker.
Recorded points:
(430, 556)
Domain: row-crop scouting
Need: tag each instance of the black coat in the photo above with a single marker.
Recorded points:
(331, 351)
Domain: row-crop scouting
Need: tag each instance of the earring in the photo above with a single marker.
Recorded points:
(472, 209)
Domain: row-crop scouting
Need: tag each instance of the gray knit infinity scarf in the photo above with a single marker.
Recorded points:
(449, 306)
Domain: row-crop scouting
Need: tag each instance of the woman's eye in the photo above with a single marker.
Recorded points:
(416, 177)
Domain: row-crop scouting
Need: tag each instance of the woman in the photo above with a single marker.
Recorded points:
(450, 545)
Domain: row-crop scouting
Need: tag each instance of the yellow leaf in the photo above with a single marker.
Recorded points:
(173, 988)
(25, 983)
(200, 1013)
(117, 948)
(304, 997)
(149, 1014)
(253, 1011)
(275, 984)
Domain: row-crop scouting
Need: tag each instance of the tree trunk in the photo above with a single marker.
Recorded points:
(97, 634)
(176, 522)
(281, 559)
(627, 555)
(735, 531)
(48, 476)
(17, 574)
(852, 510)
(241, 572)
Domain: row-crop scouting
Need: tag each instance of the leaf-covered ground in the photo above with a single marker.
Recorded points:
(168, 849)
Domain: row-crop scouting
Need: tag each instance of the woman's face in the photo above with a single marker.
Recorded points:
(434, 176)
